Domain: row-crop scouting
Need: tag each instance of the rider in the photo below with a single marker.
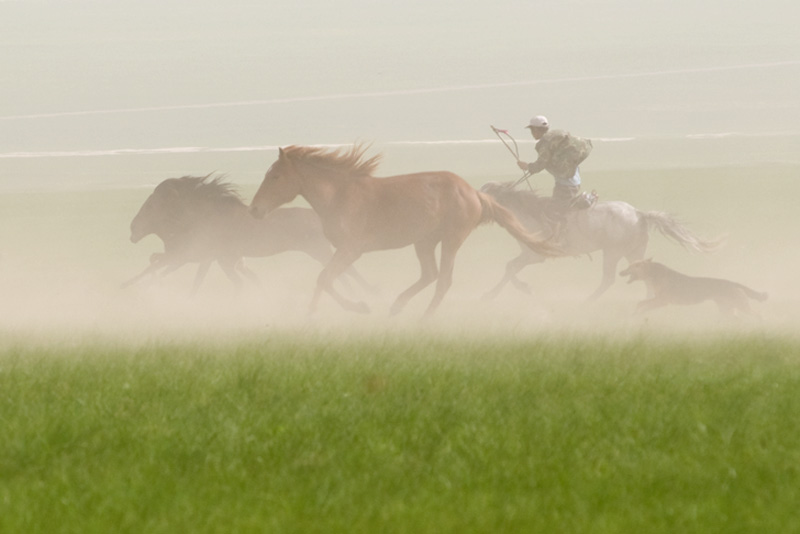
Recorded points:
(568, 177)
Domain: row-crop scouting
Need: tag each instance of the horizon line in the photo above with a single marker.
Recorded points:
(257, 148)
(402, 92)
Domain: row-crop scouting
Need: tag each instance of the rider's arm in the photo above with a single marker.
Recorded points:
(543, 149)
(545, 153)
(536, 166)
(532, 168)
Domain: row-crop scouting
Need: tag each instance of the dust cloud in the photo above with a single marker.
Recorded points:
(68, 254)
(693, 110)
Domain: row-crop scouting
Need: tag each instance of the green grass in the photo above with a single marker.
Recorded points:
(380, 433)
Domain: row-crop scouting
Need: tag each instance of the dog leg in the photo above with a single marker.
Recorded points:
(649, 304)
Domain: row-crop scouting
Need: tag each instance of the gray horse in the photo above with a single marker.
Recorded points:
(202, 219)
(616, 228)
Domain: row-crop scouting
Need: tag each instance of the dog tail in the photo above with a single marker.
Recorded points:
(755, 295)
(671, 228)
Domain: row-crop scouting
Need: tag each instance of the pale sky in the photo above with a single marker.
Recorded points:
(124, 75)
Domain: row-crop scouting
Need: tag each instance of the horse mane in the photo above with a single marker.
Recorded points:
(349, 161)
(210, 188)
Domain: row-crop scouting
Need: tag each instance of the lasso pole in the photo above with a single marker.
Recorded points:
(514, 152)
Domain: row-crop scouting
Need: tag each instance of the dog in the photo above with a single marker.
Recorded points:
(666, 286)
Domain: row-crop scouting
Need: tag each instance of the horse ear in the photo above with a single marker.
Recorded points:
(281, 153)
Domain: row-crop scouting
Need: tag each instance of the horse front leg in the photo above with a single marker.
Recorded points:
(646, 305)
(341, 260)
(149, 270)
(248, 273)
(157, 261)
(229, 268)
(513, 268)
(353, 274)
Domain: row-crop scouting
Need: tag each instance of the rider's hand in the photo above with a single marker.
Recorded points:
(522, 165)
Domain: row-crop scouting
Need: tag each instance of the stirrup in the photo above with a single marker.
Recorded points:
(585, 200)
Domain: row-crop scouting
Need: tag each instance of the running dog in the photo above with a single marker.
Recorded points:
(671, 287)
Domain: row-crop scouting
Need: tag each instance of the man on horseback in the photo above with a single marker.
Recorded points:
(559, 154)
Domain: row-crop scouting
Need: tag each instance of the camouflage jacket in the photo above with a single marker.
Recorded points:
(560, 154)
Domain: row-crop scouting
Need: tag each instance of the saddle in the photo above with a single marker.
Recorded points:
(584, 201)
(556, 218)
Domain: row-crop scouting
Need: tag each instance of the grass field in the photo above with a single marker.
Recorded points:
(387, 433)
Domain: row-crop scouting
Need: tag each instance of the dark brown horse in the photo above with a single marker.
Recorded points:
(204, 220)
(361, 213)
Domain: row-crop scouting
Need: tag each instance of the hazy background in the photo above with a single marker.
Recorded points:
(108, 76)
(100, 101)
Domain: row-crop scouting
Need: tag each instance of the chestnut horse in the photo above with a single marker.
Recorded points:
(361, 213)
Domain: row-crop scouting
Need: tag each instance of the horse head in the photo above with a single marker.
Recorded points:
(159, 211)
(278, 187)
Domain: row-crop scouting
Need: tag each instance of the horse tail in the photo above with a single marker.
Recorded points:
(492, 211)
(671, 228)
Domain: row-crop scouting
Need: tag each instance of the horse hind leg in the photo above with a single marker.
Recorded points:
(426, 254)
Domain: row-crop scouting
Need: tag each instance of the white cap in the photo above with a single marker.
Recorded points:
(539, 121)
